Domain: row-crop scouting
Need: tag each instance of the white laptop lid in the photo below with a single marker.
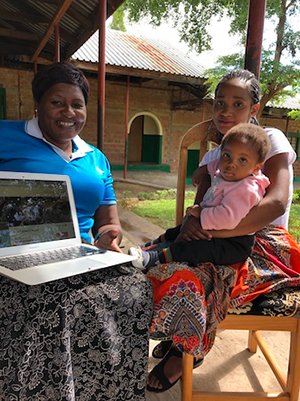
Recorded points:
(37, 213)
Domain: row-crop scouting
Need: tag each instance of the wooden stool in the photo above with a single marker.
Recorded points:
(289, 382)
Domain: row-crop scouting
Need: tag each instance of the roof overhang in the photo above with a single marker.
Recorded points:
(27, 27)
(134, 72)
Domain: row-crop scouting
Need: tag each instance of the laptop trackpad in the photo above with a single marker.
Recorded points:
(88, 264)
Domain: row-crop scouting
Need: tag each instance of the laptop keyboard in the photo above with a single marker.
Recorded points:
(41, 258)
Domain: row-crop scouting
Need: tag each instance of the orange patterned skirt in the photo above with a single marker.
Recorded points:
(190, 302)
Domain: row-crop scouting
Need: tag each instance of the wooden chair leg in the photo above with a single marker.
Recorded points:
(187, 377)
(293, 377)
(252, 344)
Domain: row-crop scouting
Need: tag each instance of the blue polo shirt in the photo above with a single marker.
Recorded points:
(23, 148)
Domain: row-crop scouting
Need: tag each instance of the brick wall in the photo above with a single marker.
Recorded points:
(19, 102)
(152, 97)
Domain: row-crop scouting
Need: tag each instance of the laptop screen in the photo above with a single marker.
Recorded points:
(34, 211)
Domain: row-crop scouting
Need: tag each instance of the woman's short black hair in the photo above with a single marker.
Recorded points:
(59, 73)
(248, 77)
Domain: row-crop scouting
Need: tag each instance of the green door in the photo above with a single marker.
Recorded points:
(152, 145)
(192, 161)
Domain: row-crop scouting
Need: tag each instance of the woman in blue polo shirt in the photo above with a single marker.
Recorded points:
(75, 337)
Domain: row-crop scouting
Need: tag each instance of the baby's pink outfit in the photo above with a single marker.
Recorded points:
(226, 203)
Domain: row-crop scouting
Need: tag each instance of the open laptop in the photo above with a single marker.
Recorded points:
(39, 226)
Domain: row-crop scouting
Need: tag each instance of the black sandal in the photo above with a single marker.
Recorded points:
(163, 347)
(158, 371)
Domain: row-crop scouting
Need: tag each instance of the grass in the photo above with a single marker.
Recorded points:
(159, 208)
(294, 222)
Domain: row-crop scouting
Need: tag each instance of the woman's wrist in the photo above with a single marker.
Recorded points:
(106, 228)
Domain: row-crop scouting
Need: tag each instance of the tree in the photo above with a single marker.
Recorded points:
(295, 115)
(280, 69)
(190, 17)
(117, 22)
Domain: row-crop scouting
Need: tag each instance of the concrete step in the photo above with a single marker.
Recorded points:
(136, 230)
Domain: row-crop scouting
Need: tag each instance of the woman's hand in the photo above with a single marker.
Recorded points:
(109, 239)
(192, 230)
(107, 228)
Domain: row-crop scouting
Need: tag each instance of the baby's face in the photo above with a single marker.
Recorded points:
(238, 160)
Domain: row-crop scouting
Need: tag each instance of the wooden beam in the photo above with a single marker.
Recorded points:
(39, 60)
(111, 69)
(11, 33)
(84, 36)
(26, 8)
(112, 5)
(75, 11)
(55, 21)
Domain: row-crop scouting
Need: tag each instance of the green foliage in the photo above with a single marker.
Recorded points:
(294, 222)
(296, 196)
(193, 17)
(225, 64)
(190, 17)
(127, 194)
(118, 19)
(294, 114)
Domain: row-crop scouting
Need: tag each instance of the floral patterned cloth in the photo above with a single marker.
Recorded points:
(190, 302)
(80, 338)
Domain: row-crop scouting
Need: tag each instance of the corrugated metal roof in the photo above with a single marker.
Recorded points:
(139, 52)
(24, 24)
(290, 103)
(125, 50)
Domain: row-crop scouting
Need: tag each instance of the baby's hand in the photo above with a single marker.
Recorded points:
(194, 210)
(198, 175)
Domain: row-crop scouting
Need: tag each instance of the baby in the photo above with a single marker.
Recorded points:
(237, 186)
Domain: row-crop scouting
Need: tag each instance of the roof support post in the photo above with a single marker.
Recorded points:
(256, 17)
(126, 126)
(101, 74)
(35, 68)
(55, 20)
(57, 44)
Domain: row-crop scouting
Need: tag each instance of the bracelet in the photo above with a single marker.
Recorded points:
(98, 235)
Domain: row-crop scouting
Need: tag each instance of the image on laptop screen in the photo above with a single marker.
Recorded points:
(33, 211)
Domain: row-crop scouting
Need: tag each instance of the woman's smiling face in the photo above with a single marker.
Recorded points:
(233, 105)
(61, 113)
